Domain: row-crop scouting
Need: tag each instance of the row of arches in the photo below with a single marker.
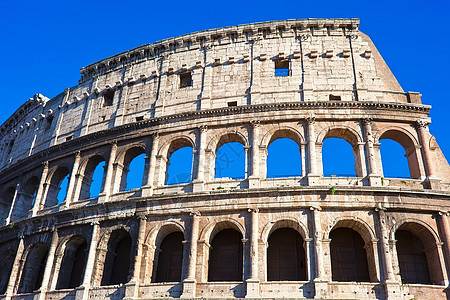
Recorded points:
(286, 256)
(226, 156)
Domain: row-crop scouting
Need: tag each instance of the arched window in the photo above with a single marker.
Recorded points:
(57, 188)
(131, 175)
(33, 270)
(411, 258)
(230, 161)
(399, 155)
(170, 258)
(25, 199)
(284, 159)
(135, 172)
(73, 263)
(225, 256)
(348, 256)
(6, 201)
(92, 178)
(337, 158)
(117, 261)
(286, 259)
(7, 261)
(179, 166)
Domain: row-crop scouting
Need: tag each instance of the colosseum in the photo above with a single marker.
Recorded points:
(310, 236)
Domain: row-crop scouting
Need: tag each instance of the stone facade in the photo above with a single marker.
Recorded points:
(204, 90)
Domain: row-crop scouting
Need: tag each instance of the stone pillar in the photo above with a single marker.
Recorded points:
(40, 194)
(190, 282)
(373, 176)
(253, 281)
(246, 148)
(320, 282)
(49, 266)
(444, 228)
(254, 178)
(109, 179)
(303, 156)
(313, 176)
(88, 272)
(132, 287)
(13, 203)
(73, 183)
(422, 131)
(14, 278)
(147, 190)
(199, 177)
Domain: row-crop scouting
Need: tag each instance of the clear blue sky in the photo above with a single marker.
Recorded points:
(45, 43)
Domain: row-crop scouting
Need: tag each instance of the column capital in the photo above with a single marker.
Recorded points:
(444, 213)
(45, 164)
(253, 210)
(203, 128)
(422, 123)
(255, 123)
(155, 135)
(310, 120)
(316, 208)
(78, 154)
(113, 143)
(195, 213)
(367, 121)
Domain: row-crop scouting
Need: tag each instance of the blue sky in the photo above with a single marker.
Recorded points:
(45, 43)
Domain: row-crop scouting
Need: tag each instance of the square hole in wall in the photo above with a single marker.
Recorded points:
(335, 98)
(185, 80)
(232, 103)
(141, 118)
(282, 68)
(108, 97)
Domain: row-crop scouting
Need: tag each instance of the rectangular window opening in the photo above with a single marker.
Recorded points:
(232, 103)
(185, 80)
(335, 98)
(108, 97)
(141, 118)
(282, 68)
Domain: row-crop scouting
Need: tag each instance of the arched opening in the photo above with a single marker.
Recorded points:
(117, 261)
(7, 262)
(225, 256)
(57, 189)
(92, 179)
(25, 199)
(286, 258)
(395, 146)
(33, 270)
(283, 159)
(230, 161)
(73, 263)
(133, 169)
(179, 162)
(337, 158)
(170, 258)
(348, 256)
(6, 201)
(412, 259)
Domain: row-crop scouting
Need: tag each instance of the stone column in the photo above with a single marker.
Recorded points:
(444, 228)
(199, 177)
(73, 183)
(40, 194)
(13, 203)
(190, 282)
(313, 176)
(109, 179)
(385, 249)
(253, 281)
(373, 176)
(422, 131)
(147, 190)
(320, 282)
(14, 278)
(88, 272)
(132, 288)
(254, 178)
(49, 266)
(303, 156)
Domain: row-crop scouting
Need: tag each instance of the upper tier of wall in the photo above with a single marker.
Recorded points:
(328, 59)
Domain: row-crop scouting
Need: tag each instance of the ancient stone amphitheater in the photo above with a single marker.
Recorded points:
(307, 236)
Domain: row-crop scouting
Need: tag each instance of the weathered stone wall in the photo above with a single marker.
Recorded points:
(130, 104)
